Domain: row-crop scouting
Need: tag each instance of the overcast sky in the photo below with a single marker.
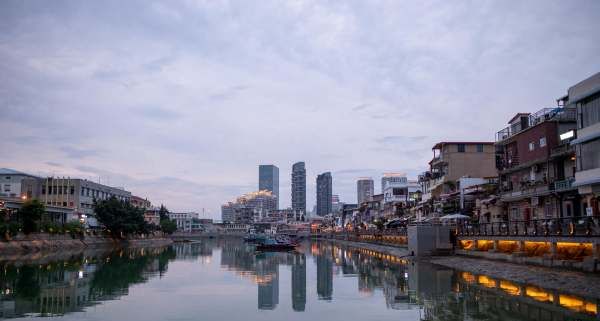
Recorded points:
(180, 101)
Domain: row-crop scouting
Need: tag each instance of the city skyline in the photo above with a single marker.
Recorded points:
(182, 113)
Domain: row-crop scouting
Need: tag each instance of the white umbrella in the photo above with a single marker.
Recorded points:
(454, 217)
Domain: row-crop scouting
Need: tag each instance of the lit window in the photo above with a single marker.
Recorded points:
(543, 142)
(531, 146)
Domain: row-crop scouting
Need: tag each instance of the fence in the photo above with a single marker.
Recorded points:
(572, 226)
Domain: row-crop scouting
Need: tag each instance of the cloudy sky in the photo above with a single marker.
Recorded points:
(180, 101)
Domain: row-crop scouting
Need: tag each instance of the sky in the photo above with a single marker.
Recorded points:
(180, 101)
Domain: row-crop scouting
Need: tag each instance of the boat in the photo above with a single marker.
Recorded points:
(272, 244)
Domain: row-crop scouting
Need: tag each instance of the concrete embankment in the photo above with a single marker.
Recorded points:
(42, 242)
(576, 282)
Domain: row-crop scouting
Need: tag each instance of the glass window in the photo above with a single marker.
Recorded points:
(461, 148)
(480, 148)
(590, 155)
(543, 142)
(531, 146)
(589, 111)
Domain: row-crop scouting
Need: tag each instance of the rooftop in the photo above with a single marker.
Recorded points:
(441, 144)
(8, 171)
(542, 115)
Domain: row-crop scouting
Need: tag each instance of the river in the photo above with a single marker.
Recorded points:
(225, 279)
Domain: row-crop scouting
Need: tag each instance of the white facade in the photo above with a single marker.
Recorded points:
(184, 220)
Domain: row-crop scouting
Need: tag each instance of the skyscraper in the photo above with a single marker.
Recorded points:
(299, 187)
(365, 188)
(268, 179)
(324, 193)
(298, 282)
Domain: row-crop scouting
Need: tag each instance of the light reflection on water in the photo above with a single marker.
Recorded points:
(226, 279)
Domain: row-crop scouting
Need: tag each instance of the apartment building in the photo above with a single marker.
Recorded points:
(536, 165)
(585, 97)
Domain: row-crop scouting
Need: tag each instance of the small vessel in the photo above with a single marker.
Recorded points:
(273, 244)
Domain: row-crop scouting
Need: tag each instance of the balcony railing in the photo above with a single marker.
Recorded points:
(562, 150)
(572, 226)
(563, 185)
(528, 191)
(544, 114)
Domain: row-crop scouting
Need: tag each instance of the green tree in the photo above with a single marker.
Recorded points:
(120, 217)
(31, 212)
(168, 226)
(163, 212)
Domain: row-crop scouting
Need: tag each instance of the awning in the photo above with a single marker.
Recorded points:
(585, 138)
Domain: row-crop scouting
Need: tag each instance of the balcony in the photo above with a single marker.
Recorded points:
(528, 191)
(542, 115)
(562, 150)
(563, 185)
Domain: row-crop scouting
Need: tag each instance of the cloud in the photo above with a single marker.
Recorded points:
(400, 139)
(78, 153)
(181, 100)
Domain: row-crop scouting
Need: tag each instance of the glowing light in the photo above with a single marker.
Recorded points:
(510, 288)
(567, 135)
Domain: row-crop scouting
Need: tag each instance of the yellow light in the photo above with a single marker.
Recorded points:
(470, 278)
(539, 294)
(510, 288)
(576, 304)
(486, 281)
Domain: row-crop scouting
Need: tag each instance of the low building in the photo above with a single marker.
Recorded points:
(140, 202)
(152, 216)
(184, 220)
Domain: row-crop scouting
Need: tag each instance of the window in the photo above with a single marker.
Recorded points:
(543, 142)
(82, 191)
(589, 111)
(461, 148)
(531, 146)
(589, 155)
(7, 187)
(480, 148)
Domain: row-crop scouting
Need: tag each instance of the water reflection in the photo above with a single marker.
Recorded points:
(59, 287)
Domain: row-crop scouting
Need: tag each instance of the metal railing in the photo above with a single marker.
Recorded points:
(544, 114)
(571, 226)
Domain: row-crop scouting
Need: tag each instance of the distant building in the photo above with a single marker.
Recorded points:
(336, 205)
(299, 187)
(324, 194)
(585, 97)
(152, 216)
(251, 207)
(268, 179)
(396, 179)
(228, 212)
(365, 189)
(11, 183)
(184, 220)
(140, 202)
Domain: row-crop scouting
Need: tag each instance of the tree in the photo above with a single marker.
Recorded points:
(31, 212)
(163, 213)
(120, 217)
(168, 226)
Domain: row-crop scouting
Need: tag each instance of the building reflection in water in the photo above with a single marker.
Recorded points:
(69, 285)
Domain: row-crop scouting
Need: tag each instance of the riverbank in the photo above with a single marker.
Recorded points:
(575, 282)
(46, 243)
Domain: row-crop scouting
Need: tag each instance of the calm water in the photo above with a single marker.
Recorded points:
(227, 280)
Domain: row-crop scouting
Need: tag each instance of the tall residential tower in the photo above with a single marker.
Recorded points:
(324, 193)
(299, 187)
(268, 179)
(365, 189)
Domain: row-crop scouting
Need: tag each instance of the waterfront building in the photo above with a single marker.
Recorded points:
(228, 212)
(299, 187)
(152, 216)
(536, 167)
(11, 184)
(585, 97)
(324, 194)
(184, 220)
(250, 207)
(365, 189)
(140, 202)
(451, 161)
(268, 179)
(393, 179)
